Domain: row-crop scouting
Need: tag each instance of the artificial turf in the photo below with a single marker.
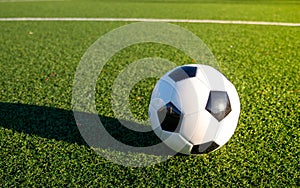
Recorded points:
(41, 145)
(259, 10)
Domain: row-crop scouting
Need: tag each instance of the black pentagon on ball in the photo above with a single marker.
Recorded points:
(170, 118)
(183, 72)
(204, 148)
(218, 104)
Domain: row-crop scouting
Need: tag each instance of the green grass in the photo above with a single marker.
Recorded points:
(41, 146)
(282, 11)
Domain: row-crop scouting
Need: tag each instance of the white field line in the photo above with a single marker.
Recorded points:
(155, 20)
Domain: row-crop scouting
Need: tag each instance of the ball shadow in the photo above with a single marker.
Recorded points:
(59, 124)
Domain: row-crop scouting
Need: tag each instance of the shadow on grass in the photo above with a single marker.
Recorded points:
(59, 124)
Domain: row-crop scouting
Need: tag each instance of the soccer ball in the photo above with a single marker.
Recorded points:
(194, 109)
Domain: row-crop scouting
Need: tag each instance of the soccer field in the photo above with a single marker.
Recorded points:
(40, 144)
